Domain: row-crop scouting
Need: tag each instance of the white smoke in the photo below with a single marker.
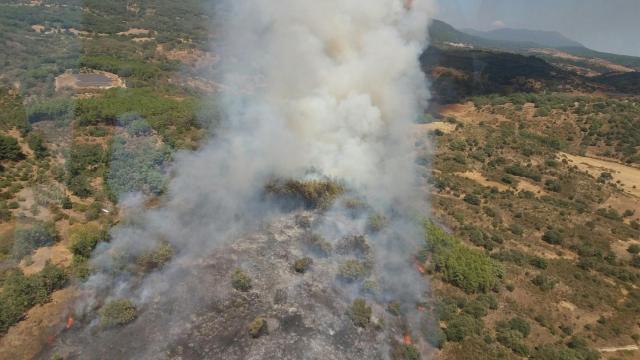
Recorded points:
(343, 80)
(331, 86)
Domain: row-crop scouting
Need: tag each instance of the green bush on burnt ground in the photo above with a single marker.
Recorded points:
(19, 292)
(117, 312)
(10, 149)
(302, 265)
(467, 268)
(240, 280)
(360, 313)
(28, 238)
(156, 257)
(257, 327)
(311, 193)
(401, 351)
(317, 244)
(353, 270)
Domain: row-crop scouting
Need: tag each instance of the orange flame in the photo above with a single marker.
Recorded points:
(406, 340)
(69, 321)
(420, 267)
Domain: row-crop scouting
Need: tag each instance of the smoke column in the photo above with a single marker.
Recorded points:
(331, 86)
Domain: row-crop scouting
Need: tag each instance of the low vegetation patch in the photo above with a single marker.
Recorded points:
(313, 194)
(117, 313)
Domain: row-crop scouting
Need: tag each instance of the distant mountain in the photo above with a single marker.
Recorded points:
(548, 45)
(550, 39)
(441, 33)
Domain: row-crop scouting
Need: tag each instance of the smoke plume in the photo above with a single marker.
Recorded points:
(315, 88)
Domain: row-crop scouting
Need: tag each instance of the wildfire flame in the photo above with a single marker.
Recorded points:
(69, 321)
(406, 340)
(420, 267)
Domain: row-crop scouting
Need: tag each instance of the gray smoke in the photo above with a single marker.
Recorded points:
(315, 88)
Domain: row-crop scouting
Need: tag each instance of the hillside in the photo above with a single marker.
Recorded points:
(525, 243)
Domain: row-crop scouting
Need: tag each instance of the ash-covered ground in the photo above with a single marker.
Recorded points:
(204, 317)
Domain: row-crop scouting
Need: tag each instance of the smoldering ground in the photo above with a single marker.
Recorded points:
(335, 88)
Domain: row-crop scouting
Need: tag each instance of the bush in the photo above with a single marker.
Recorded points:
(257, 327)
(472, 199)
(311, 193)
(543, 282)
(84, 239)
(27, 239)
(394, 308)
(19, 292)
(317, 244)
(117, 312)
(156, 258)
(9, 148)
(35, 140)
(552, 237)
(513, 340)
(360, 313)
(352, 270)
(462, 326)
(240, 280)
(302, 265)
(467, 268)
(633, 249)
(376, 222)
(521, 325)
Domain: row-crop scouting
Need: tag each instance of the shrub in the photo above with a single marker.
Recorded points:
(360, 313)
(117, 312)
(467, 268)
(156, 258)
(544, 282)
(552, 237)
(312, 193)
(19, 292)
(302, 265)
(257, 327)
(462, 326)
(27, 239)
(240, 280)
(9, 148)
(35, 140)
(401, 351)
(376, 222)
(472, 199)
(518, 170)
(84, 239)
(513, 340)
(317, 244)
(521, 325)
(66, 203)
(352, 270)
(633, 249)
(394, 308)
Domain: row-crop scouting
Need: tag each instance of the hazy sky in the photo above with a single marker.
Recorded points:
(605, 25)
